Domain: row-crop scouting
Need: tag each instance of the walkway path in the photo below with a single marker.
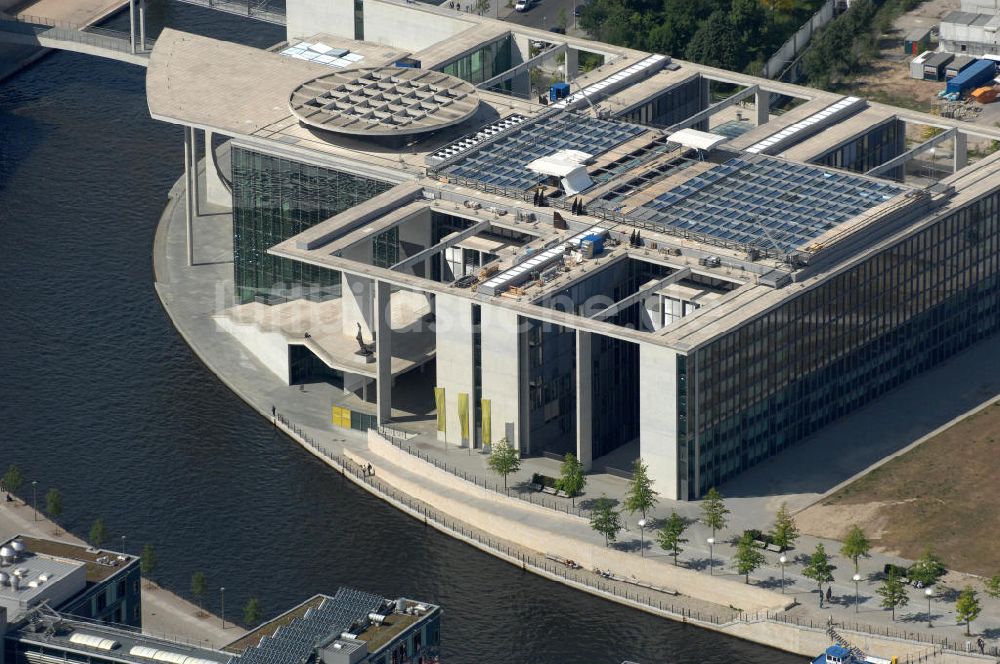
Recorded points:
(163, 612)
(193, 295)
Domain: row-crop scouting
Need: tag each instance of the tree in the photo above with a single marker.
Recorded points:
(714, 510)
(670, 535)
(927, 569)
(748, 557)
(562, 20)
(640, 496)
(856, 545)
(54, 503)
(252, 612)
(13, 479)
(717, 43)
(147, 561)
(993, 586)
(819, 569)
(572, 480)
(198, 586)
(967, 608)
(504, 460)
(606, 520)
(785, 531)
(98, 533)
(482, 7)
(893, 593)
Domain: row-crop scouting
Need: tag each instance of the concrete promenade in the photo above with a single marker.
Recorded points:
(193, 295)
(164, 614)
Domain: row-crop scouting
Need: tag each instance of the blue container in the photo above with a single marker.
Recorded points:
(558, 91)
(597, 240)
(978, 73)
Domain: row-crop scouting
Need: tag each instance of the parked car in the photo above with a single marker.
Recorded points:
(558, 29)
(524, 5)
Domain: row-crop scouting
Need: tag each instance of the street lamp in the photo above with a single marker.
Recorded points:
(642, 541)
(856, 577)
(123, 545)
(782, 559)
(711, 555)
(930, 593)
(34, 497)
(222, 591)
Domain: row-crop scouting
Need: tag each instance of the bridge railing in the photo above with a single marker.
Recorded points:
(114, 40)
(262, 10)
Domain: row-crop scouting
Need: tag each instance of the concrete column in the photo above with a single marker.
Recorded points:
(453, 339)
(188, 211)
(763, 102)
(501, 371)
(131, 24)
(194, 172)
(961, 150)
(658, 416)
(572, 64)
(584, 399)
(142, 25)
(215, 190)
(383, 350)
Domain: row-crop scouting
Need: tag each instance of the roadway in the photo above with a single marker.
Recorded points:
(544, 14)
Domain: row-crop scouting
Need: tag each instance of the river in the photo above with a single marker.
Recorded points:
(100, 398)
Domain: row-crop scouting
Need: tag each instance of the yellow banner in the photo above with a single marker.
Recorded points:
(463, 414)
(487, 424)
(342, 417)
(439, 404)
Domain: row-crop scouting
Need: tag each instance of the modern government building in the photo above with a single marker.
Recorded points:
(475, 230)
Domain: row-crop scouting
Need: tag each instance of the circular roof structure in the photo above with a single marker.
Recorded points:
(383, 101)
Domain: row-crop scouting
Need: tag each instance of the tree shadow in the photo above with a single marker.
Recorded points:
(945, 594)
(700, 564)
(991, 632)
(922, 617)
(773, 583)
(591, 503)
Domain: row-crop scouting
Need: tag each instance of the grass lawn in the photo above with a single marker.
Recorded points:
(944, 494)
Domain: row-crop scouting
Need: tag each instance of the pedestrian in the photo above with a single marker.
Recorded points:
(273, 410)
(982, 645)
(829, 593)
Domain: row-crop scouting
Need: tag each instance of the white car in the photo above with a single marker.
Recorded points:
(523, 5)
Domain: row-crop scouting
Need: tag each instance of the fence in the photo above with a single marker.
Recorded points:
(39, 26)
(263, 10)
(780, 62)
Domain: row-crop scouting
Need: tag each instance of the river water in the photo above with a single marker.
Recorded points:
(101, 398)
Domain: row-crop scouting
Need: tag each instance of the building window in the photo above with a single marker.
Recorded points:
(359, 20)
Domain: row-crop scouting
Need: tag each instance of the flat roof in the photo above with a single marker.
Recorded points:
(100, 563)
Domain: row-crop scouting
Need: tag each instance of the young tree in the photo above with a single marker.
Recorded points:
(198, 587)
(54, 503)
(714, 510)
(856, 545)
(562, 19)
(482, 7)
(147, 561)
(819, 569)
(927, 569)
(572, 480)
(606, 520)
(98, 533)
(640, 496)
(748, 557)
(13, 479)
(252, 612)
(670, 536)
(893, 593)
(993, 586)
(967, 608)
(504, 460)
(785, 531)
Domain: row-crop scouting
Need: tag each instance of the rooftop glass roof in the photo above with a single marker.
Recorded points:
(765, 202)
(503, 163)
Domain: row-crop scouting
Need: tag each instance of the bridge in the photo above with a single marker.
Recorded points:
(261, 10)
(46, 33)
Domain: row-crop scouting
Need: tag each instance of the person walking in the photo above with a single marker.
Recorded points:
(982, 645)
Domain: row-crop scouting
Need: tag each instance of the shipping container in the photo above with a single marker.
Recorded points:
(975, 75)
(917, 65)
(918, 41)
(934, 66)
(957, 66)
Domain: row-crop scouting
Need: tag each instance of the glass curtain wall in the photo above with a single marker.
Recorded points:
(840, 345)
(487, 62)
(678, 103)
(874, 148)
(275, 199)
(551, 364)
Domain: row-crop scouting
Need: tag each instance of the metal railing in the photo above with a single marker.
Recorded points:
(40, 26)
(261, 10)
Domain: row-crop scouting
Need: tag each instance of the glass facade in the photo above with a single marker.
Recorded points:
(275, 199)
(385, 248)
(884, 142)
(676, 104)
(839, 345)
(484, 64)
(551, 365)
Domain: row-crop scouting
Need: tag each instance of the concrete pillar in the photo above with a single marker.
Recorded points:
(131, 24)
(194, 173)
(658, 416)
(454, 356)
(763, 102)
(383, 350)
(584, 399)
(188, 210)
(572, 64)
(501, 371)
(215, 190)
(961, 150)
(142, 25)
(357, 306)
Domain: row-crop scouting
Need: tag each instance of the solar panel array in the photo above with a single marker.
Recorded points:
(468, 142)
(765, 202)
(295, 642)
(807, 127)
(503, 163)
(640, 70)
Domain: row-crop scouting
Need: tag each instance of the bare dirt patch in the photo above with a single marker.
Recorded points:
(944, 494)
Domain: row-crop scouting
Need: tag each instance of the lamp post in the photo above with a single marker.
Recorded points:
(222, 591)
(642, 540)
(782, 559)
(34, 497)
(930, 593)
(856, 577)
(123, 545)
(711, 555)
